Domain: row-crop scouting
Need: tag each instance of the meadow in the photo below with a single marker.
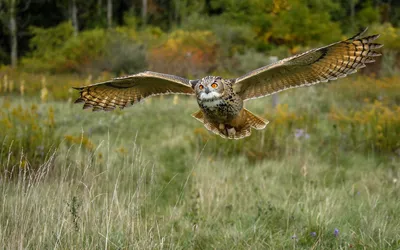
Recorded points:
(324, 174)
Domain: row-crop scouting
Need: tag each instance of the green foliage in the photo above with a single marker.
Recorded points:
(241, 63)
(390, 38)
(30, 140)
(186, 53)
(389, 35)
(234, 38)
(123, 55)
(367, 15)
(91, 51)
(45, 41)
(275, 27)
(80, 52)
(302, 24)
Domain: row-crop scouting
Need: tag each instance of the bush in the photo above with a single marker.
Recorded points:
(375, 127)
(92, 51)
(123, 55)
(185, 53)
(30, 139)
(242, 63)
(390, 38)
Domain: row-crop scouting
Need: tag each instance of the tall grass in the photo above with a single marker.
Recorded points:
(135, 201)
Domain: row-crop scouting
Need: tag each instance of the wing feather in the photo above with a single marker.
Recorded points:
(128, 90)
(327, 63)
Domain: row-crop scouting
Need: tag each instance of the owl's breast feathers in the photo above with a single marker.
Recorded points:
(224, 108)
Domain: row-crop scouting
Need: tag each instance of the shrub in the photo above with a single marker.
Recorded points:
(390, 38)
(29, 140)
(92, 51)
(123, 55)
(185, 53)
(242, 63)
(374, 127)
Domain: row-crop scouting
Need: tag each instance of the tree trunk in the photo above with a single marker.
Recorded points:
(13, 34)
(176, 16)
(74, 17)
(144, 11)
(352, 15)
(109, 13)
(99, 8)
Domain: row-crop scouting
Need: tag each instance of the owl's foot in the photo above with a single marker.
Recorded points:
(231, 132)
(227, 130)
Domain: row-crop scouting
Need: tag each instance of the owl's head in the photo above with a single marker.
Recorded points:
(208, 88)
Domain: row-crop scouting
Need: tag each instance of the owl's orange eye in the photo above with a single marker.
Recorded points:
(214, 85)
(201, 87)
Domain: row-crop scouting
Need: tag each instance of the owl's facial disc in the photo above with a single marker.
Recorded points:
(210, 88)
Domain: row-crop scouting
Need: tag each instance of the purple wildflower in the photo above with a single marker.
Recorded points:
(294, 237)
(313, 234)
(298, 133)
(336, 232)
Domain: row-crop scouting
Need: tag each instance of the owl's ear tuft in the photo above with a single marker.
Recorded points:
(194, 82)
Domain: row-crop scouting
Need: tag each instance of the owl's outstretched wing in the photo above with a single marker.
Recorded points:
(128, 90)
(317, 65)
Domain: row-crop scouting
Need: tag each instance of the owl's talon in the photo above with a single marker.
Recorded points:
(231, 132)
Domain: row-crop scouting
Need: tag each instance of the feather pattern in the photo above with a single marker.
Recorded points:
(331, 62)
(128, 90)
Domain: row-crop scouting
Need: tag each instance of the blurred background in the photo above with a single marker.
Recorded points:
(336, 144)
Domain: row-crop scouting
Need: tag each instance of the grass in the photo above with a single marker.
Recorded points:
(151, 177)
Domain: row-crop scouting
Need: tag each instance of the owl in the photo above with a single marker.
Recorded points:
(221, 100)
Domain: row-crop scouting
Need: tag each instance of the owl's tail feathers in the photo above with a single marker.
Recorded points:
(199, 115)
(240, 128)
(255, 121)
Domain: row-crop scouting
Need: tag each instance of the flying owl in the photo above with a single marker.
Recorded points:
(221, 100)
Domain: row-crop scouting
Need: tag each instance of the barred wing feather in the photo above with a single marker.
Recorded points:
(317, 65)
(128, 90)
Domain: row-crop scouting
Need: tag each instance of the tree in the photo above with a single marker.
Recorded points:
(144, 11)
(109, 13)
(13, 34)
(8, 15)
(74, 17)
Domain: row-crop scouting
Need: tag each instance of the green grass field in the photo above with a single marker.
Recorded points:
(151, 177)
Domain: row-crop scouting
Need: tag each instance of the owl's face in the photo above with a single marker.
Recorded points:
(209, 88)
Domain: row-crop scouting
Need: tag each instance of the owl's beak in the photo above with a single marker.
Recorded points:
(207, 90)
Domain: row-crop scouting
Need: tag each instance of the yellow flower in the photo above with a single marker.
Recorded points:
(11, 86)
(175, 101)
(22, 88)
(44, 94)
(5, 82)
